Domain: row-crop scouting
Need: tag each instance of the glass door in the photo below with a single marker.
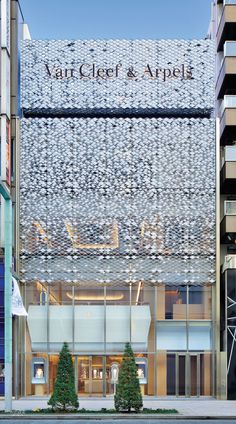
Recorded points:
(97, 371)
(194, 375)
(181, 374)
(84, 385)
(188, 374)
(90, 375)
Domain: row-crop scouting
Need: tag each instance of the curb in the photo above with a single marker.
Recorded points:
(105, 417)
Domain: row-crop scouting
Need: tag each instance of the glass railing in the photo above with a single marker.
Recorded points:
(229, 101)
(229, 154)
(230, 48)
(230, 207)
(229, 262)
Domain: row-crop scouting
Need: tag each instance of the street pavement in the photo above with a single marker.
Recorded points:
(185, 407)
(124, 421)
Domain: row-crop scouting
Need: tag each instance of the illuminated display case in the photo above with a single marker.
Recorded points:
(38, 371)
(141, 364)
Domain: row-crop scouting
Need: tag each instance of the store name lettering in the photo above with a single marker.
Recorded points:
(92, 71)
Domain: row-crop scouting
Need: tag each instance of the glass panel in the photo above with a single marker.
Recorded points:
(200, 336)
(230, 207)
(229, 101)
(112, 364)
(205, 374)
(230, 151)
(60, 330)
(60, 294)
(83, 375)
(36, 338)
(171, 336)
(200, 302)
(193, 375)
(181, 375)
(175, 302)
(89, 320)
(161, 302)
(97, 376)
(171, 374)
(53, 364)
(89, 296)
(36, 294)
(161, 372)
(143, 319)
(119, 295)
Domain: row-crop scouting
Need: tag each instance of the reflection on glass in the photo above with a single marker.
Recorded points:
(175, 302)
(199, 302)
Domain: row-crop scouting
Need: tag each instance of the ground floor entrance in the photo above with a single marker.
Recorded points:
(189, 374)
(95, 374)
(180, 374)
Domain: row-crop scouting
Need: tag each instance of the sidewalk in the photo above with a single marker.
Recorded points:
(185, 407)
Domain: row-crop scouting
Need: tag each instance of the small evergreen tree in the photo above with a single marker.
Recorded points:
(64, 396)
(128, 394)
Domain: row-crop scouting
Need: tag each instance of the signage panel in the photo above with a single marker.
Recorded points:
(117, 76)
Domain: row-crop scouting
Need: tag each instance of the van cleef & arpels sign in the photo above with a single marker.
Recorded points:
(94, 71)
(84, 76)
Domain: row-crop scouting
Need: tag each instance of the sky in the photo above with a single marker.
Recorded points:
(116, 19)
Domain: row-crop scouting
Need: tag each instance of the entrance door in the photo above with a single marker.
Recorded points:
(184, 374)
(187, 366)
(180, 374)
(91, 375)
(98, 375)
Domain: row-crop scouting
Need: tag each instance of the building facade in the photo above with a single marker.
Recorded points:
(117, 214)
(12, 31)
(224, 30)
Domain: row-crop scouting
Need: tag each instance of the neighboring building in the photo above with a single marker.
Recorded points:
(225, 38)
(12, 30)
(117, 214)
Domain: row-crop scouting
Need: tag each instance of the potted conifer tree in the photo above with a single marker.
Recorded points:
(64, 397)
(128, 394)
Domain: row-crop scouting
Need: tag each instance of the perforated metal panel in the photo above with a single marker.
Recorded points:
(117, 200)
(181, 76)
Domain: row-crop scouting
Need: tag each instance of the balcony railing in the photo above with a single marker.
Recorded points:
(229, 154)
(229, 102)
(229, 262)
(226, 24)
(230, 207)
(230, 48)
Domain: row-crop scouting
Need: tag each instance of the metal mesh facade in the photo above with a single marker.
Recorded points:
(118, 200)
(143, 76)
(123, 199)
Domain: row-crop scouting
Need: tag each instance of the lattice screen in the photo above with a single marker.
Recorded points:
(117, 200)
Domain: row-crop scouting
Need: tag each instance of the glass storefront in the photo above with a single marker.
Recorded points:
(170, 329)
